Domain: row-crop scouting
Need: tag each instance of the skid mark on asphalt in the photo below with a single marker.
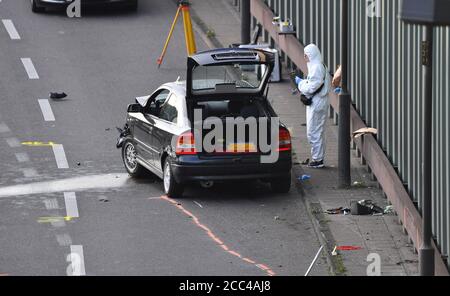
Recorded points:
(215, 238)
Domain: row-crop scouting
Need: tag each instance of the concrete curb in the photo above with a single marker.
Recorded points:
(314, 209)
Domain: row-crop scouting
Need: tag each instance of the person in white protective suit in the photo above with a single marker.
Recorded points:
(316, 87)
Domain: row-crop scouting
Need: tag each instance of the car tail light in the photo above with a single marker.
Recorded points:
(284, 140)
(185, 144)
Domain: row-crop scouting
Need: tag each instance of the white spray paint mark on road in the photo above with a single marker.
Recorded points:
(29, 172)
(13, 142)
(67, 185)
(29, 67)
(76, 259)
(46, 110)
(198, 204)
(22, 157)
(60, 156)
(11, 29)
(71, 204)
(51, 204)
(4, 128)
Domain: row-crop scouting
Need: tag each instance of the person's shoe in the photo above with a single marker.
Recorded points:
(316, 164)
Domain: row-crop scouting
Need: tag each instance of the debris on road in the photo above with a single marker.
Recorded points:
(365, 207)
(339, 210)
(306, 162)
(304, 177)
(55, 95)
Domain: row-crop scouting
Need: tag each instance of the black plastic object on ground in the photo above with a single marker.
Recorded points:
(55, 95)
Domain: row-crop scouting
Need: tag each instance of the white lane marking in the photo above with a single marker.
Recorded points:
(60, 156)
(4, 128)
(22, 157)
(46, 110)
(71, 204)
(11, 29)
(76, 259)
(198, 204)
(107, 181)
(29, 67)
(30, 172)
(51, 204)
(13, 142)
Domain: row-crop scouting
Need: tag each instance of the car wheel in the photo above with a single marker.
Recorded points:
(171, 187)
(281, 185)
(35, 8)
(130, 160)
(133, 5)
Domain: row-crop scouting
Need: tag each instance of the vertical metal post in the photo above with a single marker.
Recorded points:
(344, 106)
(426, 251)
(245, 21)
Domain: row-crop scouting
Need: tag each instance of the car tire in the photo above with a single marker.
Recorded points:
(133, 5)
(281, 185)
(129, 159)
(35, 8)
(171, 187)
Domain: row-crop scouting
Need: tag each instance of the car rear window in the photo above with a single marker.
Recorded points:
(231, 108)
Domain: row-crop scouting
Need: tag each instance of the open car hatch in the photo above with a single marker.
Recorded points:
(228, 73)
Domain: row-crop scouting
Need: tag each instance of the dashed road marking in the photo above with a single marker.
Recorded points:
(46, 110)
(71, 204)
(22, 157)
(60, 156)
(11, 29)
(13, 142)
(76, 258)
(29, 67)
(4, 128)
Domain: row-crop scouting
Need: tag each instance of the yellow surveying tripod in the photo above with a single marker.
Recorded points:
(183, 6)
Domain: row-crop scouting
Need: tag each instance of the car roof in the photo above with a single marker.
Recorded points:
(177, 87)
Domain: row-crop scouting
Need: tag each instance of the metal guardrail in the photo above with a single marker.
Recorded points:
(386, 85)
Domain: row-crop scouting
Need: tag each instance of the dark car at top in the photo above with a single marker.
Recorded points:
(224, 83)
(41, 5)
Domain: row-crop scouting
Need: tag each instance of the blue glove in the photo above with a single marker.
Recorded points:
(298, 80)
(337, 90)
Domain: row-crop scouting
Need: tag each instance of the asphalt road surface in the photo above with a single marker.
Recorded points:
(67, 206)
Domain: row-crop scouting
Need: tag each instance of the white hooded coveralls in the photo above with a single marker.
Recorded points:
(316, 113)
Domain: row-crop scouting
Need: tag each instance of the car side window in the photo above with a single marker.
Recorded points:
(169, 110)
(154, 104)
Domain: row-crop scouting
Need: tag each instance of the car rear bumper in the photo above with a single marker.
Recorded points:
(192, 168)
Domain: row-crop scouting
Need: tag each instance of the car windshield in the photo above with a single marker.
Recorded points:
(234, 76)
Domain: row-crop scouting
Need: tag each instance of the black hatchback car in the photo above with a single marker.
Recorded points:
(41, 5)
(216, 126)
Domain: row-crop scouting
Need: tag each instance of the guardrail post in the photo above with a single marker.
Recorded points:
(245, 21)
(344, 106)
